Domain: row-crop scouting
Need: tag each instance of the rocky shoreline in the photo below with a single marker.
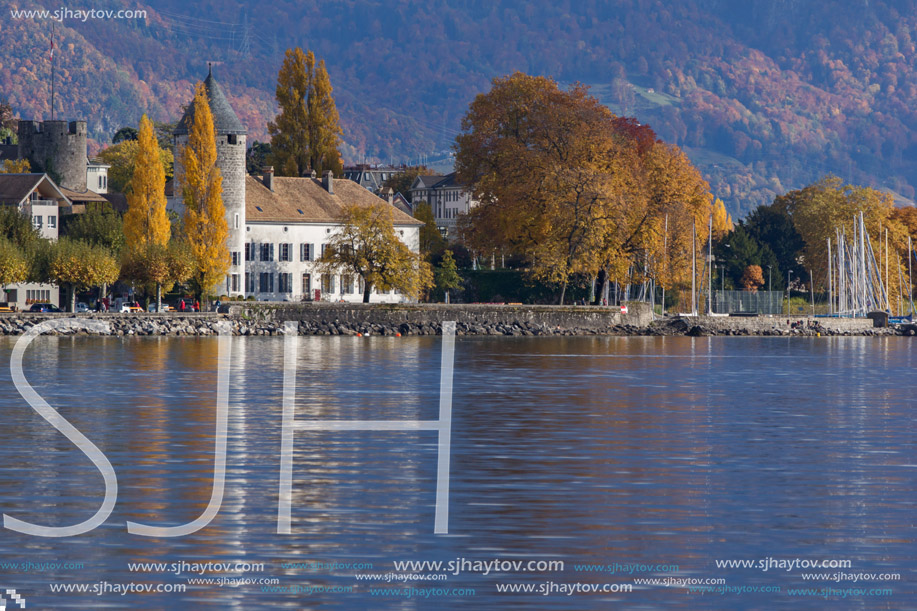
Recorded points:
(176, 325)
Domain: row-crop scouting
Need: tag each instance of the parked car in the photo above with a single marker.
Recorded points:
(152, 308)
(82, 307)
(44, 307)
(130, 306)
(6, 307)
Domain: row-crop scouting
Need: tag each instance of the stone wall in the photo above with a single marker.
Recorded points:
(548, 317)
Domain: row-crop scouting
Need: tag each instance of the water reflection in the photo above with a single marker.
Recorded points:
(589, 450)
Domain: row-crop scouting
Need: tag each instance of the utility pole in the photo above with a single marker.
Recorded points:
(710, 266)
(694, 268)
(52, 70)
(665, 254)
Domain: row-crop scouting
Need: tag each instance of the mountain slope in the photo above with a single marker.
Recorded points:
(765, 95)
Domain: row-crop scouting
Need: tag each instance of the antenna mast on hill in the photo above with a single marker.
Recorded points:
(52, 70)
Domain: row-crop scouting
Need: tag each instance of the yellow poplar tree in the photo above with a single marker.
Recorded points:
(202, 189)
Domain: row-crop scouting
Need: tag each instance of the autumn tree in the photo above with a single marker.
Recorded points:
(822, 207)
(78, 265)
(205, 224)
(547, 171)
(17, 228)
(146, 226)
(752, 278)
(578, 190)
(366, 244)
(15, 166)
(306, 134)
(14, 267)
(158, 266)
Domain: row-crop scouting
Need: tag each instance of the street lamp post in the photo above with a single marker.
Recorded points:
(789, 276)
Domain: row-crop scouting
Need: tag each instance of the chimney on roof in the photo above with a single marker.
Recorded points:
(267, 176)
(312, 174)
(389, 195)
(328, 181)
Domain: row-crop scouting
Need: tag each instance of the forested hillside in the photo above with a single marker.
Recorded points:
(764, 95)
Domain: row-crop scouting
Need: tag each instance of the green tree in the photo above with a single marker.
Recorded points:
(125, 133)
(17, 228)
(306, 134)
(9, 123)
(78, 265)
(738, 250)
(204, 221)
(257, 156)
(99, 225)
(447, 276)
(773, 228)
(432, 241)
(366, 244)
(121, 159)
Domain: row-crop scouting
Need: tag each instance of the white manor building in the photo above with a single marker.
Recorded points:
(446, 197)
(279, 226)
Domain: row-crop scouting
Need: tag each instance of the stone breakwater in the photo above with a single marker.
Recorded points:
(490, 321)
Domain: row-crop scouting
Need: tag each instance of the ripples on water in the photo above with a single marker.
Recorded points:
(587, 450)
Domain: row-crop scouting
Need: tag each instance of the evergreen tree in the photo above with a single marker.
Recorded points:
(202, 190)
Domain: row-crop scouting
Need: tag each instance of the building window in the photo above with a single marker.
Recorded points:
(347, 284)
(267, 252)
(324, 248)
(100, 182)
(286, 252)
(232, 139)
(284, 283)
(236, 257)
(236, 221)
(306, 252)
(307, 286)
(249, 282)
(235, 283)
(36, 222)
(248, 251)
(52, 222)
(266, 283)
(328, 284)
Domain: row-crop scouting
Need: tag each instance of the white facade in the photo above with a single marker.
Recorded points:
(447, 198)
(97, 177)
(280, 264)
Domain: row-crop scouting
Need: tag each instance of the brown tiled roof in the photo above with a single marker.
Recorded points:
(305, 200)
(82, 196)
(14, 187)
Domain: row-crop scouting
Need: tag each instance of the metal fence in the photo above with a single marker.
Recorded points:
(748, 302)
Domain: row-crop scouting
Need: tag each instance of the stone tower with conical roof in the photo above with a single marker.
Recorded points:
(230, 144)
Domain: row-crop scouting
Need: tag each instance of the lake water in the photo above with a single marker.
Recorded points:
(662, 455)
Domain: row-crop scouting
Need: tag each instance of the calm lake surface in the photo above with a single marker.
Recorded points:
(654, 452)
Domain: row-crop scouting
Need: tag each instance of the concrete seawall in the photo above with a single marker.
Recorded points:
(426, 319)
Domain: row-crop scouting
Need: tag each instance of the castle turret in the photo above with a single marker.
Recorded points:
(57, 148)
(230, 144)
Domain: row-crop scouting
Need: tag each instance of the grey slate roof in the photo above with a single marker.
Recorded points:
(225, 120)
